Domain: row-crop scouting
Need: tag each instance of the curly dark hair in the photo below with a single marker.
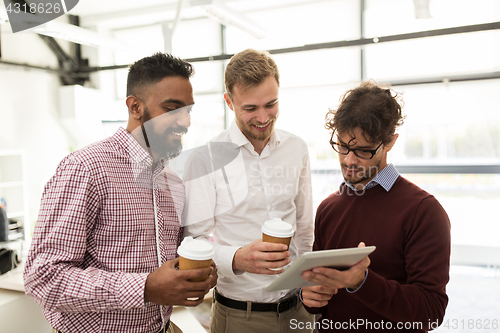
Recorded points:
(153, 69)
(374, 109)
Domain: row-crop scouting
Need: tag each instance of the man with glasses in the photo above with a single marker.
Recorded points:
(402, 284)
(103, 257)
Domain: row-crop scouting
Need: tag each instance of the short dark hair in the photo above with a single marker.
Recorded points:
(374, 109)
(153, 69)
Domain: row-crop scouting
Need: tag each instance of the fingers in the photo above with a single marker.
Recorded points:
(266, 257)
(192, 302)
(268, 251)
(202, 286)
(351, 278)
(169, 286)
(275, 263)
(172, 263)
(325, 271)
(213, 280)
(258, 257)
(274, 256)
(362, 265)
(193, 295)
(271, 267)
(282, 257)
(320, 277)
(317, 296)
(196, 273)
(267, 271)
(324, 290)
(270, 247)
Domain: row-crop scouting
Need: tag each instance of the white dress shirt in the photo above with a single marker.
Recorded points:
(231, 202)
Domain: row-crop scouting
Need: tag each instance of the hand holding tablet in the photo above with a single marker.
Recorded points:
(339, 259)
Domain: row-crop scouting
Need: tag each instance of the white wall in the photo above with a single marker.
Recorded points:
(29, 115)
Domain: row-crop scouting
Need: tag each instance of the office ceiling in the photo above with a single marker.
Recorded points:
(117, 14)
(98, 19)
(86, 8)
(120, 14)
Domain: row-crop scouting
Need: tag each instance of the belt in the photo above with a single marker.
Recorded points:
(279, 307)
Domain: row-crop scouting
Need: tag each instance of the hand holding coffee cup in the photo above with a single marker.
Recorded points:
(195, 254)
(277, 231)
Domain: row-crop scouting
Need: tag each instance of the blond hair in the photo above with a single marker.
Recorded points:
(248, 69)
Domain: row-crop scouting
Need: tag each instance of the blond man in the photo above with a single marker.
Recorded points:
(266, 177)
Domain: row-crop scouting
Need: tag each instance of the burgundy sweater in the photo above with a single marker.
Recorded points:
(409, 269)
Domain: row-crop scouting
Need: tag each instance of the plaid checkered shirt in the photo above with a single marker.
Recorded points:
(97, 238)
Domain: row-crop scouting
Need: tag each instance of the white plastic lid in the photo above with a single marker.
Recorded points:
(195, 249)
(277, 228)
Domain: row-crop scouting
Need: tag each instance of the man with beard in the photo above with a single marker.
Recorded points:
(402, 285)
(269, 178)
(103, 257)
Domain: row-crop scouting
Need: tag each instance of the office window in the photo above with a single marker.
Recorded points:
(146, 41)
(434, 56)
(392, 17)
(470, 201)
(208, 77)
(197, 38)
(454, 123)
(318, 67)
(207, 119)
(297, 25)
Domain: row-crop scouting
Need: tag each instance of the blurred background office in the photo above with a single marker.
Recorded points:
(62, 86)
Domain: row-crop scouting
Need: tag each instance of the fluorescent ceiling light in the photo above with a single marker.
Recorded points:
(79, 35)
(225, 15)
(69, 32)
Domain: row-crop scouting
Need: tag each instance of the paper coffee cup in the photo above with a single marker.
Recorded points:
(277, 231)
(195, 254)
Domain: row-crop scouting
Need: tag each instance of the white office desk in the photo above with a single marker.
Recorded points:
(186, 321)
(19, 313)
(13, 280)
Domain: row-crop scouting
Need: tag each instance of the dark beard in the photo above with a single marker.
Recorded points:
(172, 151)
(356, 182)
(159, 144)
(365, 174)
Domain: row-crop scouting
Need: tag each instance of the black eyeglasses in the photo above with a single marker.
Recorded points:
(364, 154)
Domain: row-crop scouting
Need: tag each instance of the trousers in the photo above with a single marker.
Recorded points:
(228, 320)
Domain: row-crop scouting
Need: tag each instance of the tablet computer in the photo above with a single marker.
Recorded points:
(339, 259)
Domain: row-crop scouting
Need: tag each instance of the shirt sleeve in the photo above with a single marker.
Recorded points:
(303, 202)
(199, 212)
(55, 275)
(427, 253)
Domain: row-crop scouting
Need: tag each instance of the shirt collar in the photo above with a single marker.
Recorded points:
(132, 147)
(385, 178)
